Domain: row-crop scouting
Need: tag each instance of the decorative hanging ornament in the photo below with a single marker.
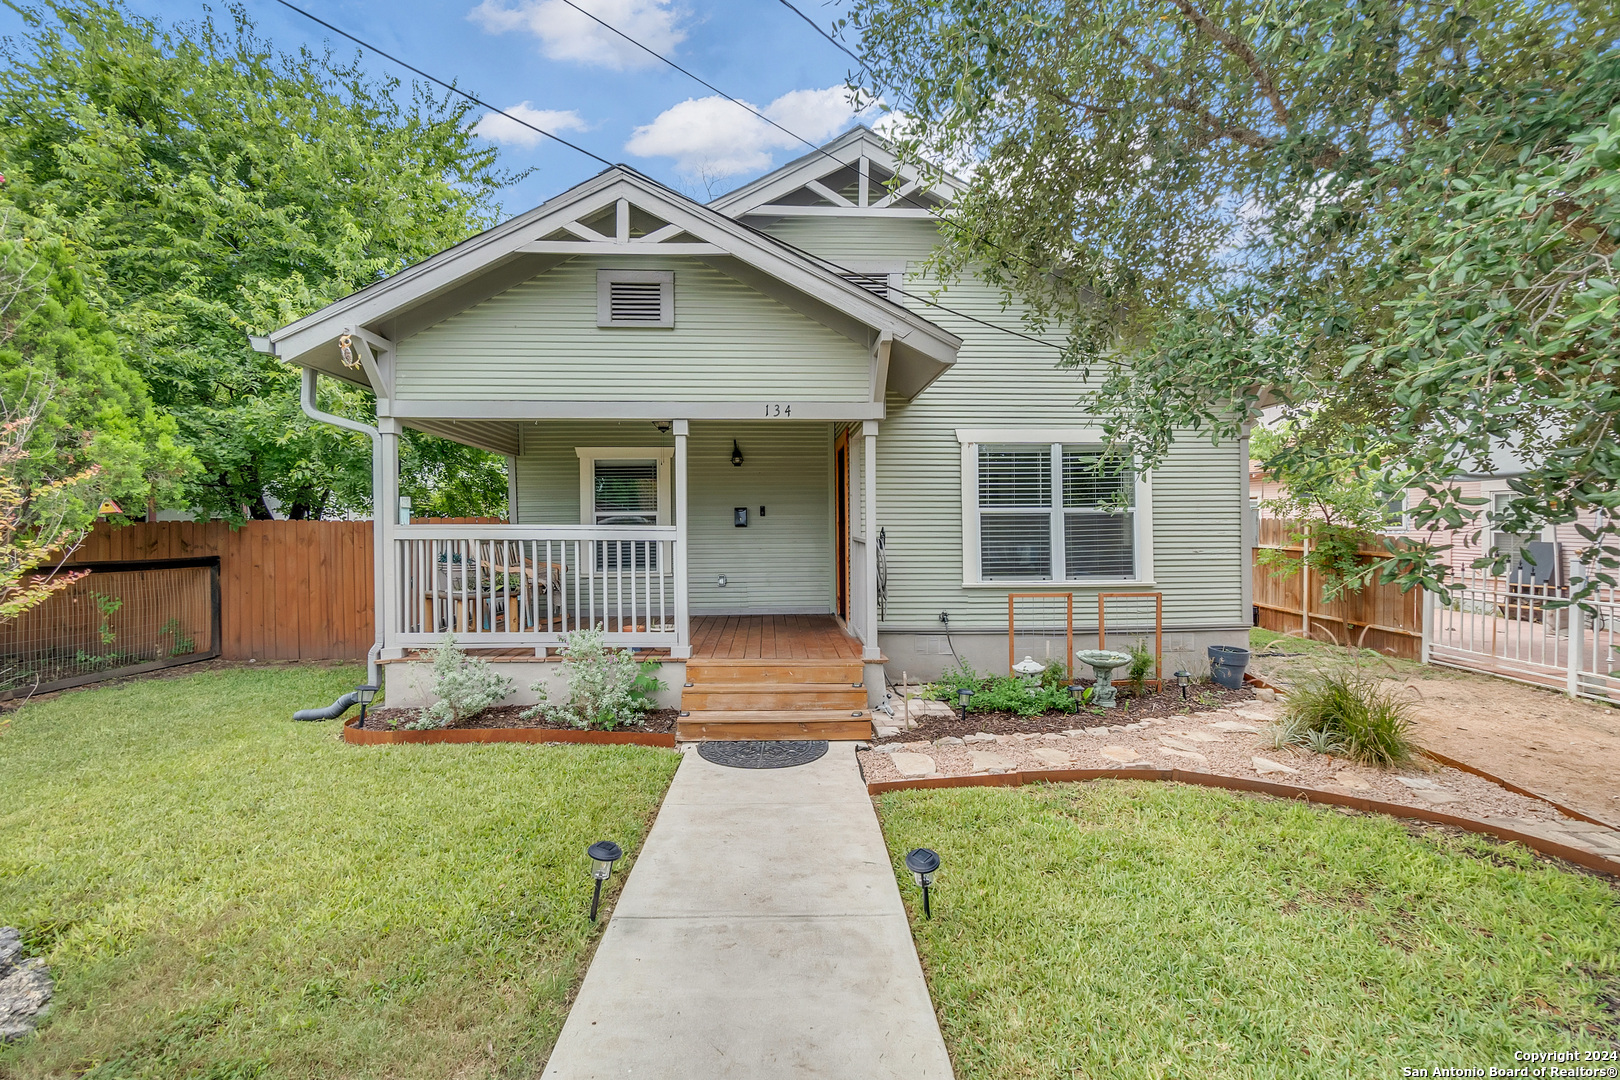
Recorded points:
(346, 349)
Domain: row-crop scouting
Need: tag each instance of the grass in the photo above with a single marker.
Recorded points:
(1125, 929)
(223, 894)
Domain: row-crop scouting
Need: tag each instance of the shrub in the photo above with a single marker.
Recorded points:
(606, 687)
(466, 686)
(1142, 664)
(1344, 705)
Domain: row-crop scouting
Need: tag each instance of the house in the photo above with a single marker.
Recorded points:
(749, 433)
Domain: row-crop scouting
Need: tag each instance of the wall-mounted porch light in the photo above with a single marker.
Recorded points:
(663, 426)
(1183, 678)
(963, 696)
(736, 453)
(923, 864)
(603, 853)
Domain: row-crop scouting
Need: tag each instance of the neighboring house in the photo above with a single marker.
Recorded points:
(1557, 549)
(733, 410)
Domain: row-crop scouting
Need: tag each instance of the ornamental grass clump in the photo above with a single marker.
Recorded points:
(606, 687)
(465, 685)
(1345, 711)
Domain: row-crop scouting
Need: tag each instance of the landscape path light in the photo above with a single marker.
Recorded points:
(366, 694)
(963, 696)
(1183, 678)
(603, 853)
(923, 864)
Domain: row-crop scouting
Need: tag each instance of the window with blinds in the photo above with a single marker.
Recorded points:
(632, 298)
(1055, 513)
(624, 493)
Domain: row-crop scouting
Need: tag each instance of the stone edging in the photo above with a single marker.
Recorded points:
(1587, 859)
(353, 734)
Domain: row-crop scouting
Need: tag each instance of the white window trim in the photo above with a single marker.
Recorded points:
(590, 455)
(666, 298)
(972, 438)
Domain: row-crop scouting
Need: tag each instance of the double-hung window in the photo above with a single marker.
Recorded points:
(1065, 510)
(627, 486)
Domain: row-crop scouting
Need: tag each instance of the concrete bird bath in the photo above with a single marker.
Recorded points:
(1102, 663)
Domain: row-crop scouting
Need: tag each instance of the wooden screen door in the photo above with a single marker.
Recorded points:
(841, 519)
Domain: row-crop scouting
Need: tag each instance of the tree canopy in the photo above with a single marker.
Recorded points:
(211, 187)
(1395, 219)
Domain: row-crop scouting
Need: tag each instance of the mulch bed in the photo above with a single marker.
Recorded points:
(661, 721)
(1166, 702)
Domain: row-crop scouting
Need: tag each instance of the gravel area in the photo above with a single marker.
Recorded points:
(1227, 742)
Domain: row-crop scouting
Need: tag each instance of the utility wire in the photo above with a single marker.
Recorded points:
(835, 42)
(448, 86)
(835, 267)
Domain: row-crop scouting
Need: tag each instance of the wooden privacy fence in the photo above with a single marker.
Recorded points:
(1392, 621)
(289, 590)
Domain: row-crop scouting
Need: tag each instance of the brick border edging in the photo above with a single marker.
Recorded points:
(1587, 859)
(353, 735)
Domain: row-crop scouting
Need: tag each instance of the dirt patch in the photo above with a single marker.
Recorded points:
(1166, 703)
(661, 721)
(1565, 748)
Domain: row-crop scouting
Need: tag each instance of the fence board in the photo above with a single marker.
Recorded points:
(290, 590)
(1379, 617)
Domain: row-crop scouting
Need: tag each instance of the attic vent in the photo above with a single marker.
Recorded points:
(876, 284)
(644, 298)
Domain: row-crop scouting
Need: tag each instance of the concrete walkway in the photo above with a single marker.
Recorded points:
(760, 935)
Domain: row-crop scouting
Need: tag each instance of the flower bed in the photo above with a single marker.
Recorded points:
(504, 723)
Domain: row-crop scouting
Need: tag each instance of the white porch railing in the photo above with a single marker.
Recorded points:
(528, 585)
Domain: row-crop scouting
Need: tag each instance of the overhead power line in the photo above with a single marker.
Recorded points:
(835, 267)
(835, 42)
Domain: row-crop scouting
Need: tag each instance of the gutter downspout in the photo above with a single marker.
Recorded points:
(314, 412)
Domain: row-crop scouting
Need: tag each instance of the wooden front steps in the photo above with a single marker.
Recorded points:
(773, 699)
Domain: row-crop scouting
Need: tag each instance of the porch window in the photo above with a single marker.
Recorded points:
(625, 485)
(1051, 511)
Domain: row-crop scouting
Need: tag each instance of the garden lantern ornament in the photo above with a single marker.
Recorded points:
(1028, 669)
(1183, 678)
(923, 864)
(603, 853)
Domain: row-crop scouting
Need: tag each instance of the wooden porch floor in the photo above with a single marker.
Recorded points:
(771, 637)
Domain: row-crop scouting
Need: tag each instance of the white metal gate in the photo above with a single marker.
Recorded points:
(1529, 633)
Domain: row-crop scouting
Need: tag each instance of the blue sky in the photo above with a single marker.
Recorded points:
(570, 74)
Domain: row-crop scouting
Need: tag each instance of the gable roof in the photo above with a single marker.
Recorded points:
(851, 175)
(618, 212)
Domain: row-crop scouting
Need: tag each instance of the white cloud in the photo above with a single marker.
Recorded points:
(505, 130)
(567, 34)
(714, 137)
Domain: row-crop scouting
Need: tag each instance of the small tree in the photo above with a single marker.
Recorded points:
(39, 525)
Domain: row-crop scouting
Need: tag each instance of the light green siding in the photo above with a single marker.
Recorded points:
(539, 340)
(1001, 381)
(782, 562)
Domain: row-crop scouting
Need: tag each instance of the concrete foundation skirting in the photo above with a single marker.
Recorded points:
(409, 683)
(1587, 859)
(924, 655)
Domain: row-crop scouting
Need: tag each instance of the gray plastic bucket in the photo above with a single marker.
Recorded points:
(1226, 664)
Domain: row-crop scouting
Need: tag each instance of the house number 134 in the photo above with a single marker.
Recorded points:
(778, 410)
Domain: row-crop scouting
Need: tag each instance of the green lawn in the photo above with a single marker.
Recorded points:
(224, 894)
(1122, 929)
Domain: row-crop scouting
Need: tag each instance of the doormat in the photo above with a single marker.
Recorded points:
(762, 754)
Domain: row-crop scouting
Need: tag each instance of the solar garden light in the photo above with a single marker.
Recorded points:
(1182, 679)
(963, 696)
(366, 694)
(603, 853)
(923, 864)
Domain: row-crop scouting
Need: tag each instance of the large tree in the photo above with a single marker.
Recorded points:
(214, 187)
(1397, 219)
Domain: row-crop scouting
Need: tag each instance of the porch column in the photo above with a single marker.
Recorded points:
(385, 519)
(869, 617)
(683, 620)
